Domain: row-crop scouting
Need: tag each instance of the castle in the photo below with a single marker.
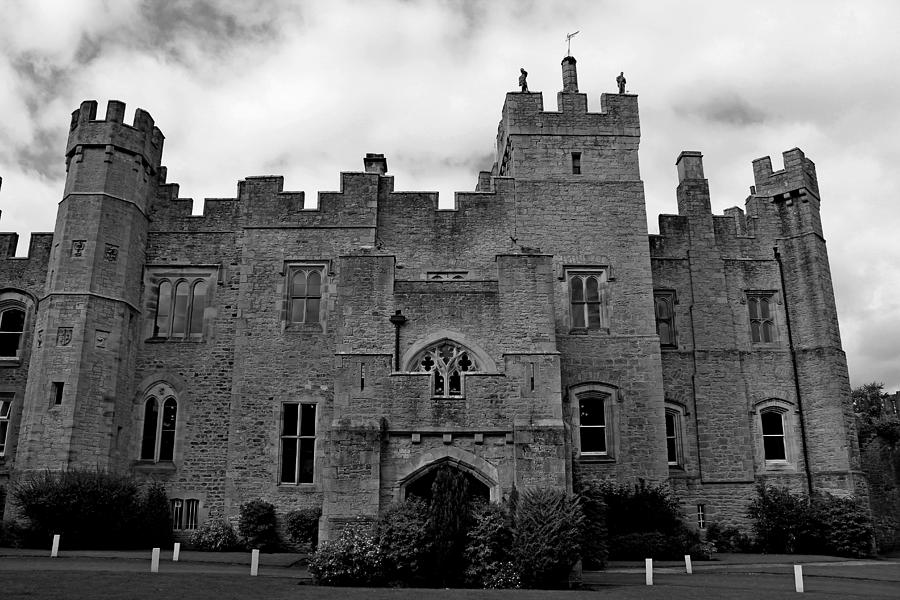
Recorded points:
(334, 357)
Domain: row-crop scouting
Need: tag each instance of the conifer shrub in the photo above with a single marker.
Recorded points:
(90, 509)
(155, 516)
(303, 527)
(353, 559)
(258, 525)
(405, 543)
(215, 535)
(594, 537)
(546, 537)
(449, 516)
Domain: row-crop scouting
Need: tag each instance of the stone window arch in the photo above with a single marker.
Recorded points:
(160, 423)
(448, 362)
(15, 308)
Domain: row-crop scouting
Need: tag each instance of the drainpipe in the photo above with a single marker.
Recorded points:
(398, 320)
(787, 320)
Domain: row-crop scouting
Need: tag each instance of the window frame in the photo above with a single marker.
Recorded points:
(159, 430)
(7, 399)
(753, 298)
(297, 438)
(675, 414)
(189, 319)
(186, 516)
(20, 307)
(789, 435)
(595, 392)
(581, 307)
(290, 271)
(763, 414)
(672, 299)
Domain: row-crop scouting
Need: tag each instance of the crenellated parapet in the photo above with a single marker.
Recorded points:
(797, 177)
(141, 138)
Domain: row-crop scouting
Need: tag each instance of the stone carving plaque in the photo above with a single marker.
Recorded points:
(111, 254)
(78, 248)
(63, 336)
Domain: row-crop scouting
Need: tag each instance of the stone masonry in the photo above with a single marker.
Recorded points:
(336, 356)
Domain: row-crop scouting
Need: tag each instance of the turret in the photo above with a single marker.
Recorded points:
(87, 328)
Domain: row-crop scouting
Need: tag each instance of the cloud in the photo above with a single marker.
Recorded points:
(728, 109)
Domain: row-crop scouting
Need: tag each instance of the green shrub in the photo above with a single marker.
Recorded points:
(215, 535)
(303, 527)
(823, 524)
(14, 534)
(548, 526)
(89, 509)
(594, 537)
(353, 559)
(404, 542)
(779, 519)
(487, 553)
(258, 525)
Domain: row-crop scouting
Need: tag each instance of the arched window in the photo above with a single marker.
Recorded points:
(664, 307)
(179, 308)
(163, 307)
(593, 413)
(305, 295)
(447, 361)
(588, 299)
(12, 326)
(674, 436)
(158, 441)
(198, 303)
(762, 321)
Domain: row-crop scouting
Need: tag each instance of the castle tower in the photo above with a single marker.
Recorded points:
(77, 399)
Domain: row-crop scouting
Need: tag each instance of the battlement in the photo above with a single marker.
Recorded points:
(39, 246)
(141, 138)
(799, 174)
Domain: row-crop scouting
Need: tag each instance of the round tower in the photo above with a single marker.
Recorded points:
(80, 374)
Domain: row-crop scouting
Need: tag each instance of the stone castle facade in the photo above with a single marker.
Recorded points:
(534, 335)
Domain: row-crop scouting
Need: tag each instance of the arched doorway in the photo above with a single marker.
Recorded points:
(423, 485)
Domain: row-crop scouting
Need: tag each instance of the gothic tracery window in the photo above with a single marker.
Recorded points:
(446, 361)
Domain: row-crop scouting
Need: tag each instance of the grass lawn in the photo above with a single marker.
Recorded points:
(91, 585)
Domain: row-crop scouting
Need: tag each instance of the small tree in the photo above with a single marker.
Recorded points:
(548, 525)
(155, 521)
(303, 527)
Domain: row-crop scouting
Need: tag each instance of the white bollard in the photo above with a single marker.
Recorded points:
(798, 577)
(176, 551)
(154, 561)
(254, 563)
(54, 551)
(648, 562)
(688, 567)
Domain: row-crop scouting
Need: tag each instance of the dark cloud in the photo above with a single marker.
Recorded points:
(43, 79)
(43, 154)
(727, 109)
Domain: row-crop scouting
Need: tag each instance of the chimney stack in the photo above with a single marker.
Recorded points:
(570, 77)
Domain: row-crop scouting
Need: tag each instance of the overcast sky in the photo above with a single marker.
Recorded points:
(305, 89)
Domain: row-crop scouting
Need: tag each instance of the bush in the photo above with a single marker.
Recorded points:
(303, 527)
(594, 536)
(215, 535)
(89, 509)
(15, 535)
(548, 526)
(728, 539)
(258, 525)
(487, 552)
(404, 542)
(155, 518)
(354, 558)
(823, 524)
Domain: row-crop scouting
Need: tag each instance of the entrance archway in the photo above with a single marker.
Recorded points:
(421, 487)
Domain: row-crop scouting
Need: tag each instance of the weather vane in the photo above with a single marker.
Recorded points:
(569, 37)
